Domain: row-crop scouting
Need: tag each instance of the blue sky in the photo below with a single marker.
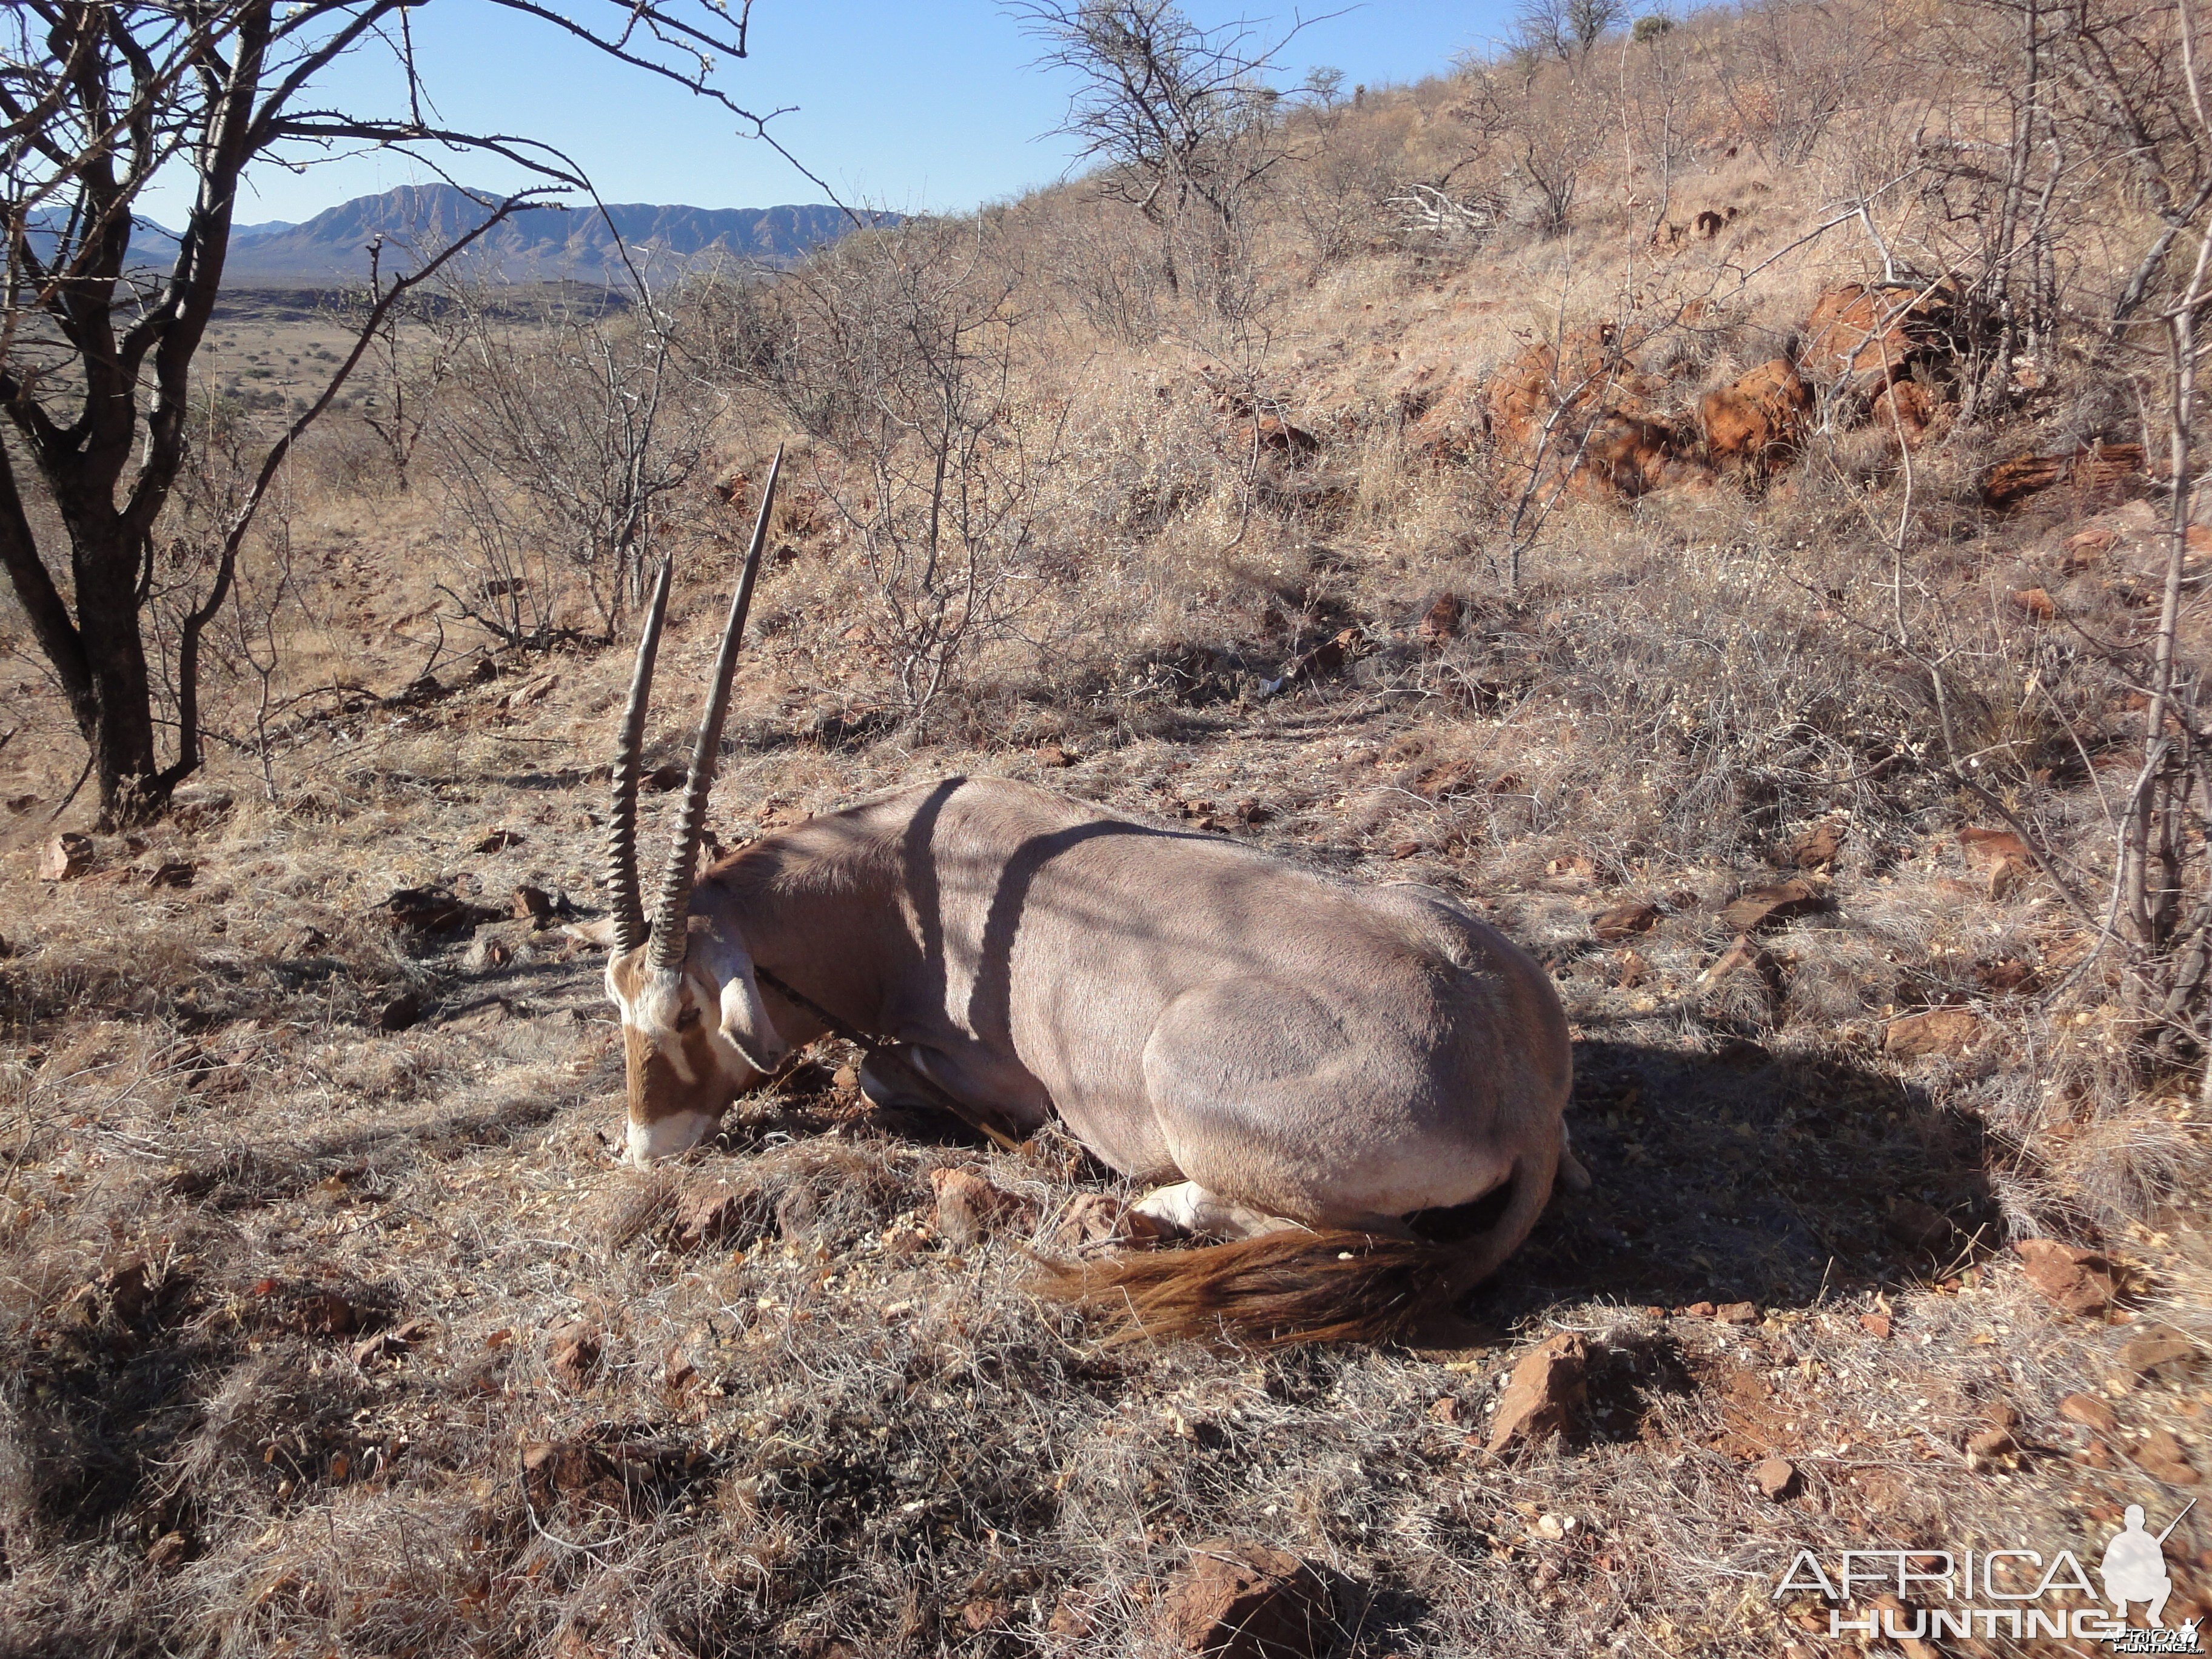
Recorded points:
(911, 105)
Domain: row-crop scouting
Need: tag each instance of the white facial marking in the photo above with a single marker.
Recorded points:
(667, 1137)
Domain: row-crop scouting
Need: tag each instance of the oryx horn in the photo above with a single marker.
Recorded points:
(668, 919)
(629, 749)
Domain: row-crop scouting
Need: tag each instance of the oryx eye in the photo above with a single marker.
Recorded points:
(687, 1020)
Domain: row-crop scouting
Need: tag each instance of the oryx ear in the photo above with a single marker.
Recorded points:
(745, 1025)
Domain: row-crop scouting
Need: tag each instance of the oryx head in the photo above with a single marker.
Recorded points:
(695, 1030)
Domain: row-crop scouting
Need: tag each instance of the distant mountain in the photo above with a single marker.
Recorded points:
(540, 244)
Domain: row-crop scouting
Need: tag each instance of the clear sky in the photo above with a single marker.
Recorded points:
(905, 104)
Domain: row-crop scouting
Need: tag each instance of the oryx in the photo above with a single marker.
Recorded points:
(1330, 1076)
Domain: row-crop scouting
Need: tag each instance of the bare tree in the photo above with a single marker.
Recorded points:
(409, 362)
(96, 347)
(1180, 116)
(1788, 69)
(1565, 29)
(1541, 125)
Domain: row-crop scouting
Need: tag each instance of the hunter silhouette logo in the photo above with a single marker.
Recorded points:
(2134, 1566)
(1924, 1594)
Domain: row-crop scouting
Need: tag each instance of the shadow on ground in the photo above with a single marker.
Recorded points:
(1750, 1175)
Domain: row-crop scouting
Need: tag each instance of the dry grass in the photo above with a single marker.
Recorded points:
(828, 1431)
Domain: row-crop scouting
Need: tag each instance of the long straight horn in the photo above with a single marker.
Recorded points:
(669, 943)
(629, 753)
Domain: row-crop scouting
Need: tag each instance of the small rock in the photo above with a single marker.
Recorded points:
(402, 1012)
(172, 873)
(68, 856)
(1875, 1324)
(1736, 1313)
(1760, 907)
(1100, 1218)
(1546, 1386)
(1441, 621)
(1446, 1410)
(2007, 877)
(1052, 755)
(1989, 1448)
(1070, 1617)
(480, 1017)
(1237, 1599)
(496, 840)
(2080, 1281)
(1623, 920)
(797, 1210)
(1818, 847)
(1774, 1477)
(2037, 603)
(1938, 1031)
(531, 904)
(2090, 1412)
(1746, 952)
(1697, 1311)
(1985, 849)
(846, 1080)
(968, 1206)
(389, 1345)
(710, 1211)
(2161, 1456)
(575, 1355)
(433, 911)
(2160, 1349)
(167, 1550)
(1405, 849)
(984, 1613)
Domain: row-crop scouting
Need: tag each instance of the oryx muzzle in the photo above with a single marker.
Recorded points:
(1310, 1069)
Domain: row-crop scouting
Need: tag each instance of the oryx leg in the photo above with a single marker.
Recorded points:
(1187, 1207)
(1571, 1175)
(976, 1082)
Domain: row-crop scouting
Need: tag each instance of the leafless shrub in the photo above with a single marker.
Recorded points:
(563, 435)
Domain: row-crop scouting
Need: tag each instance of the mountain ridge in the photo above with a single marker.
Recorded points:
(546, 243)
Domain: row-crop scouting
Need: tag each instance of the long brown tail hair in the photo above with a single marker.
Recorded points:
(1290, 1286)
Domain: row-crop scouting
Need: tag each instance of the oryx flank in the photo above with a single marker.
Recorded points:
(1329, 1076)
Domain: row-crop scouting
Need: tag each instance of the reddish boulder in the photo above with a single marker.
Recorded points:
(1867, 338)
(1237, 1599)
(1757, 422)
(2095, 472)
(2080, 1281)
(1546, 1387)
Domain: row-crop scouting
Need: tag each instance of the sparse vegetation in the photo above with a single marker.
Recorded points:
(1754, 576)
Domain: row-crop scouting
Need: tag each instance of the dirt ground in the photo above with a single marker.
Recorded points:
(330, 1325)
